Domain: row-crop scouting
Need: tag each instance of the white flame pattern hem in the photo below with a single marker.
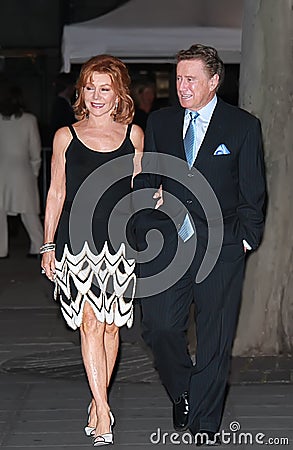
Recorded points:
(86, 268)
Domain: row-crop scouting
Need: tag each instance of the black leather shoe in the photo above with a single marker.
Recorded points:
(207, 438)
(180, 412)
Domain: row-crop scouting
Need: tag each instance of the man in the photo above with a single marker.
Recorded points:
(62, 113)
(143, 91)
(227, 150)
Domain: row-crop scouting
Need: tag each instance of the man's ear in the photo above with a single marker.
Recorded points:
(214, 81)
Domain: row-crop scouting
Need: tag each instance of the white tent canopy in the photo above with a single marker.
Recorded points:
(154, 30)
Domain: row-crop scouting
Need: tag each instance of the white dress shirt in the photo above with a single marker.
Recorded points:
(201, 123)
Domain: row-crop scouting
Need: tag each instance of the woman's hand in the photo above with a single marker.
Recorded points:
(48, 264)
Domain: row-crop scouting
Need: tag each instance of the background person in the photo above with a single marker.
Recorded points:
(20, 160)
(82, 277)
(62, 113)
(143, 91)
(224, 144)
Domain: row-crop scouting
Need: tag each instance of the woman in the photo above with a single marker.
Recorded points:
(20, 161)
(102, 135)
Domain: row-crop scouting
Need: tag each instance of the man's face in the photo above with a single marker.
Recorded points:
(195, 87)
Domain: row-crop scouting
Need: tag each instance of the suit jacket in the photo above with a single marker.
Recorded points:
(237, 178)
(20, 161)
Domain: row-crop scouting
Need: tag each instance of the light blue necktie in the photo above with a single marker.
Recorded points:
(186, 230)
(190, 140)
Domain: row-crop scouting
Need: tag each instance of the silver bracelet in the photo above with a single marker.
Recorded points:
(48, 247)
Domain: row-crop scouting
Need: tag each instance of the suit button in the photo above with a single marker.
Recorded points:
(189, 202)
(190, 175)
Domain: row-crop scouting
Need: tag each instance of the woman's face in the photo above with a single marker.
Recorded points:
(99, 96)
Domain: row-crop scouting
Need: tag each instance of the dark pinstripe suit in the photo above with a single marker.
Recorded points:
(238, 182)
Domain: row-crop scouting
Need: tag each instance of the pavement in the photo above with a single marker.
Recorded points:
(44, 392)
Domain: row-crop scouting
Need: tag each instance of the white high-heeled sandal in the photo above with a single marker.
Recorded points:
(103, 439)
(89, 431)
(106, 438)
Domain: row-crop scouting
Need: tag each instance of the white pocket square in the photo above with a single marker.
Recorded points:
(222, 150)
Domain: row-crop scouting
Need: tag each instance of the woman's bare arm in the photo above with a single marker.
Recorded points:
(56, 196)
(137, 138)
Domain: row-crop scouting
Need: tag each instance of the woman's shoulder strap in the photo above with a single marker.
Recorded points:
(128, 130)
(72, 131)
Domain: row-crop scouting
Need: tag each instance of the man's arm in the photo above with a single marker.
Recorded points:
(252, 186)
(149, 177)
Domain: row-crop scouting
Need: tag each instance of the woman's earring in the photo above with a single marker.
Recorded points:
(115, 110)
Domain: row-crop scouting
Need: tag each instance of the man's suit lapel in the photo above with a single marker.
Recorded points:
(176, 134)
(213, 134)
(213, 137)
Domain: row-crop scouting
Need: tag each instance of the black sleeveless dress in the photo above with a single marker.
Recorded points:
(89, 267)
